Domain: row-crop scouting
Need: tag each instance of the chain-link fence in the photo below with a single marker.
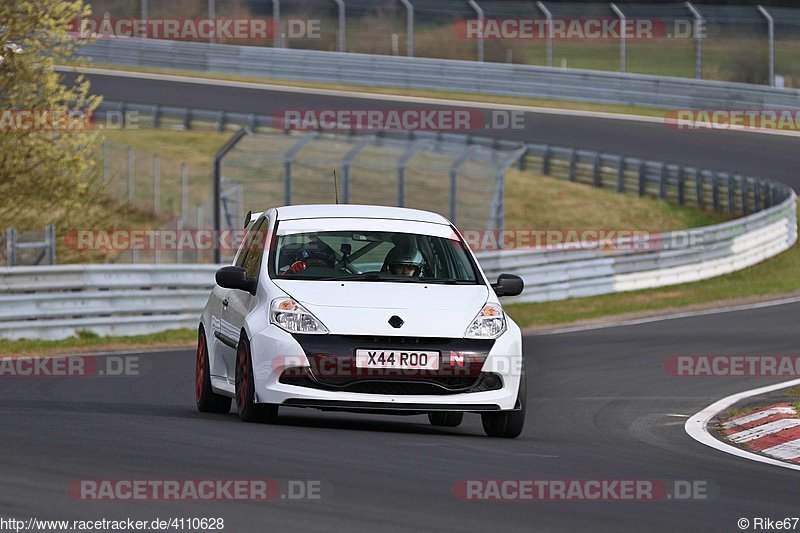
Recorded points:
(151, 189)
(147, 182)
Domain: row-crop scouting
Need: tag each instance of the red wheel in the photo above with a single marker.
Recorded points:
(207, 400)
(200, 368)
(242, 377)
(249, 409)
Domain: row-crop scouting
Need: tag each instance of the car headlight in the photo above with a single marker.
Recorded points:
(290, 316)
(489, 324)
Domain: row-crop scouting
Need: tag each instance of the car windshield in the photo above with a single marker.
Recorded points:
(371, 256)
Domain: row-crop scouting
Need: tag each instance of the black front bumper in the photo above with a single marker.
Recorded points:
(332, 366)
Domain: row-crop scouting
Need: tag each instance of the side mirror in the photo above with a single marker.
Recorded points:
(234, 277)
(508, 285)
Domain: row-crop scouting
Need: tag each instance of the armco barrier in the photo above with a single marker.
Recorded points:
(438, 74)
(55, 301)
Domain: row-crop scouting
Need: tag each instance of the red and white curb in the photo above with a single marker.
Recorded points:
(773, 432)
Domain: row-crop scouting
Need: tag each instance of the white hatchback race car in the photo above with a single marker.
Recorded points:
(362, 309)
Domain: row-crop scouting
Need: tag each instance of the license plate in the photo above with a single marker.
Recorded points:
(411, 359)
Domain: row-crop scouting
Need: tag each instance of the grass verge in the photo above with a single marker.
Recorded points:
(87, 342)
(547, 203)
(736, 412)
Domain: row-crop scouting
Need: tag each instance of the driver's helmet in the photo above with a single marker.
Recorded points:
(317, 254)
(398, 257)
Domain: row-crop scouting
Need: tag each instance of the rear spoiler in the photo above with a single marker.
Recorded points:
(250, 216)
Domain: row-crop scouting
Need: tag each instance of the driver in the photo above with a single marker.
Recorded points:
(313, 254)
(407, 263)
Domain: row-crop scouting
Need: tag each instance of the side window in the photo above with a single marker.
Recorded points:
(255, 252)
(241, 257)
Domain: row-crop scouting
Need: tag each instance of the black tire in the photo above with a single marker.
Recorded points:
(508, 424)
(446, 419)
(248, 409)
(207, 400)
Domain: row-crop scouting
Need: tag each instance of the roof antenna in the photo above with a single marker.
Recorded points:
(335, 187)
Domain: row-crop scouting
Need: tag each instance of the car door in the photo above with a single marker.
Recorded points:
(237, 304)
(213, 337)
(225, 334)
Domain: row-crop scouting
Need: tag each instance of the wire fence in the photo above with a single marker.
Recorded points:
(153, 189)
(145, 180)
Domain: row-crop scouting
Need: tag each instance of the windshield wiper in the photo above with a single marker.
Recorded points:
(382, 276)
(375, 276)
(449, 281)
(368, 276)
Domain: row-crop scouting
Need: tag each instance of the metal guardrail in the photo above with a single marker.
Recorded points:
(438, 74)
(100, 277)
(128, 114)
(55, 302)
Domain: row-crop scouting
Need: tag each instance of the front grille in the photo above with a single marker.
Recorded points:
(435, 385)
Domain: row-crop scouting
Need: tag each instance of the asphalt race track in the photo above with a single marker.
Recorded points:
(768, 156)
(599, 406)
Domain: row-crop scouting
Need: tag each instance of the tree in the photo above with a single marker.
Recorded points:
(47, 174)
